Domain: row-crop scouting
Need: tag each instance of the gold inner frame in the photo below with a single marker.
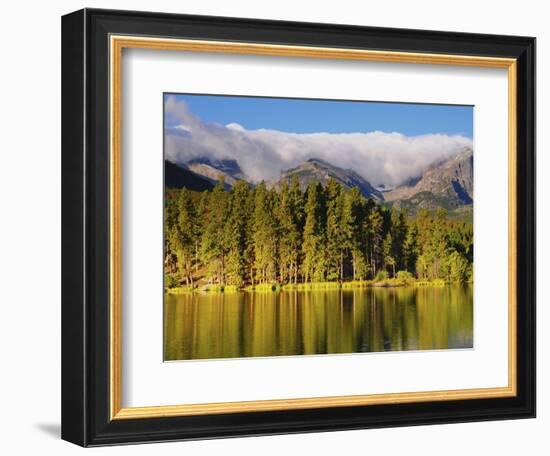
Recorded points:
(117, 44)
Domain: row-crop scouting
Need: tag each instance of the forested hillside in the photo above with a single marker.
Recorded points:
(250, 236)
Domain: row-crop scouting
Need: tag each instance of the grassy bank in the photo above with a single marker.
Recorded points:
(315, 286)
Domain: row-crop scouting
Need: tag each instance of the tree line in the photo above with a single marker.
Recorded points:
(259, 235)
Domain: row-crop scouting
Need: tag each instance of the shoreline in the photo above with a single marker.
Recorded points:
(315, 286)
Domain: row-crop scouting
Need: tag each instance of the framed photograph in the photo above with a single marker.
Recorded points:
(278, 227)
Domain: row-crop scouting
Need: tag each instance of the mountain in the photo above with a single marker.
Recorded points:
(212, 169)
(447, 184)
(178, 177)
(318, 170)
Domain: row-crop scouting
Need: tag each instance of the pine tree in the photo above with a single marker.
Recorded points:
(249, 258)
(437, 246)
(296, 203)
(289, 218)
(265, 235)
(336, 234)
(258, 235)
(410, 248)
(353, 222)
(235, 233)
(314, 263)
(387, 248)
(375, 224)
(170, 220)
(213, 248)
(184, 234)
(398, 232)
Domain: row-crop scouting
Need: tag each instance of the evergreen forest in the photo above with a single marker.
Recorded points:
(256, 237)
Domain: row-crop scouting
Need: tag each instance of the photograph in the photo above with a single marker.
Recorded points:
(315, 226)
(269, 225)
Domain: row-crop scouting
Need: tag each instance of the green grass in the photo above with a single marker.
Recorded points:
(179, 290)
(321, 286)
(390, 283)
(313, 286)
(357, 284)
(230, 289)
(402, 280)
(430, 283)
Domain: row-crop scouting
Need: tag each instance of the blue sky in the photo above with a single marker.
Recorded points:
(310, 116)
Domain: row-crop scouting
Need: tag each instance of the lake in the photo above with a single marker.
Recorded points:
(283, 323)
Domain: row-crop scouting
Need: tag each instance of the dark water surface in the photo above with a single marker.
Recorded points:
(242, 324)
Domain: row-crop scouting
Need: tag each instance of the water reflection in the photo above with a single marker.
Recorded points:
(232, 325)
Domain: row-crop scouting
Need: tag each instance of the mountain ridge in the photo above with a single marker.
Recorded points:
(315, 169)
(176, 176)
(212, 169)
(448, 183)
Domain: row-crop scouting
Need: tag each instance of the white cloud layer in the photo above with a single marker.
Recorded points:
(382, 158)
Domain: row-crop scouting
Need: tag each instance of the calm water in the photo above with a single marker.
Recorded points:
(232, 325)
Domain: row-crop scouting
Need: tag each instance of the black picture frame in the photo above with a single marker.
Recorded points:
(85, 228)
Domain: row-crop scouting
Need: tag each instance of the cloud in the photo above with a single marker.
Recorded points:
(382, 158)
(235, 126)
